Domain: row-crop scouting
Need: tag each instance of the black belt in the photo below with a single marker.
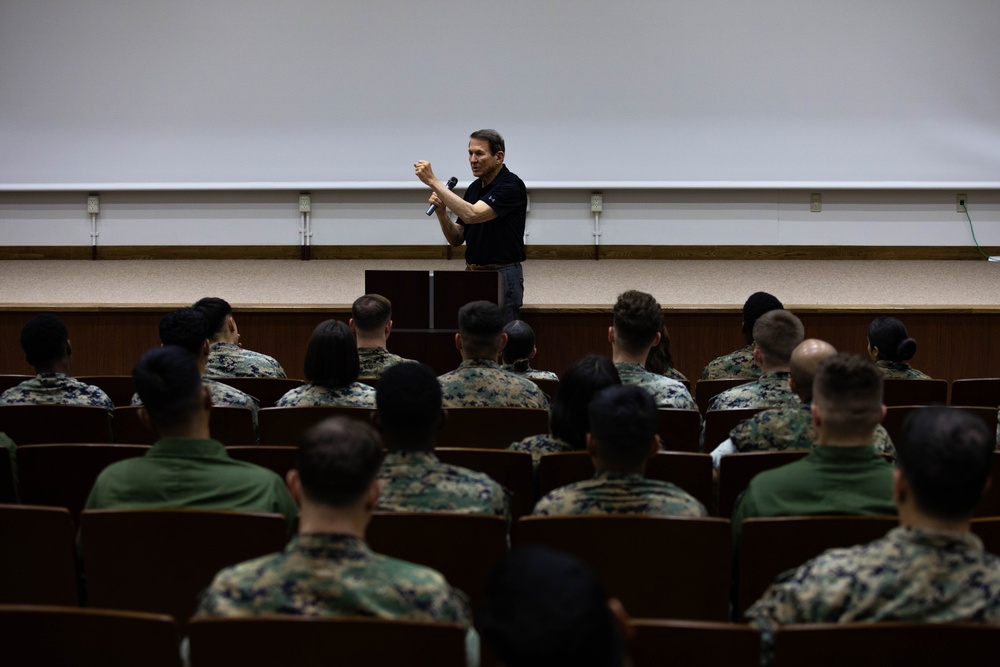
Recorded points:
(490, 267)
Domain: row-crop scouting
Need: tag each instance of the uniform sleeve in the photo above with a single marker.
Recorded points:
(506, 196)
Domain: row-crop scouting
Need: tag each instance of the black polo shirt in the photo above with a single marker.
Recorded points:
(500, 240)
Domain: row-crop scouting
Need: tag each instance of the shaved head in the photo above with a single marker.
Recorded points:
(806, 357)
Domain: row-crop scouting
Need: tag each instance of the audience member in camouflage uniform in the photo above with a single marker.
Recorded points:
(226, 358)
(741, 363)
(791, 427)
(414, 480)
(331, 368)
(931, 568)
(185, 467)
(479, 381)
(371, 323)
(841, 474)
(569, 422)
(520, 350)
(188, 328)
(890, 347)
(638, 320)
(660, 361)
(623, 423)
(544, 607)
(328, 569)
(776, 333)
(46, 346)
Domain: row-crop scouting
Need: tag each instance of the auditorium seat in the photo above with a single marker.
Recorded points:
(462, 547)
(984, 392)
(323, 641)
(266, 390)
(550, 387)
(895, 415)
(491, 428)
(701, 643)
(38, 557)
(719, 423)
(898, 391)
(679, 430)
(160, 560)
(513, 470)
(284, 426)
(62, 475)
(34, 424)
(229, 425)
(8, 485)
(690, 471)
(706, 390)
(736, 471)
(989, 504)
(65, 637)
(659, 567)
(801, 538)
(8, 381)
(988, 530)
(119, 388)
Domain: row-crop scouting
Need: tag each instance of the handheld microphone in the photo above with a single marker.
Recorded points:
(452, 182)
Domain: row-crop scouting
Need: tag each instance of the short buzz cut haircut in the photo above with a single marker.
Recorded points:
(371, 312)
(216, 312)
(408, 400)
(43, 339)
(637, 320)
(776, 334)
(169, 383)
(946, 455)
(481, 326)
(623, 421)
(187, 328)
(492, 137)
(332, 355)
(338, 459)
(520, 341)
(848, 389)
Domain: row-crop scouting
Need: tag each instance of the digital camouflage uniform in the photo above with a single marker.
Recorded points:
(482, 383)
(771, 390)
(738, 364)
(223, 396)
(791, 427)
(674, 374)
(229, 360)
(321, 574)
(419, 482)
(620, 493)
(900, 370)
(374, 360)
(356, 394)
(539, 445)
(523, 368)
(666, 392)
(56, 389)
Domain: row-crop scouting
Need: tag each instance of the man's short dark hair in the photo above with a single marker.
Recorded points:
(481, 326)
(543, 608)
(946, 455)
(637, 320)
(492, 137)
(332, 355)
(43, 339)
(848, 389)
(776, 333)
(756, 305)
(520, 341)
(623, 420)
(408, 397)
(187, 328)
(570, 421)
(169, 383)
(337, 460)
(371, 312)
(216, 312)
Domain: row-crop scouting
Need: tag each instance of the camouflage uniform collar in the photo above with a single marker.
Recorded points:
(520, 366)
(774, 376)
(630, 367)
(893, 365)
(221, 344)
(616, 475)
(409, 457)
(201, 448)
(946, 540)
(52, 379)
(329, 545)
(479, 363)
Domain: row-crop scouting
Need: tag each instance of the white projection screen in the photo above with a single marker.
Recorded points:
(349, 93)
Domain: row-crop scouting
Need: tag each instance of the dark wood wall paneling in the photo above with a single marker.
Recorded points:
(109, 341)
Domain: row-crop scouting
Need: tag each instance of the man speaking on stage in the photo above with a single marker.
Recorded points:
(490, 217)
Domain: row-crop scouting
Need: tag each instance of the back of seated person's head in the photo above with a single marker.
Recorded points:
(543, 608)
(570, 421)
(44, 340)
(371, 312)
(338, 459)
(623, 421)
(637, 319)
(756, 305)
(659, 360)
(806, 358)
(848, 390)
(946, 456)
(480, 324)
(776, 333)
(408, 397)
(216, 311)
(889, 335)
(520, 341)
(332, 356)
(168, 381)
(187, 328)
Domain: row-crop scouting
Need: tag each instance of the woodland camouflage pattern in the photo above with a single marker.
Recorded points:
(222, 395)
(56, 389)
(666, 392)
(769, 391)
(482, 383)
(900, 370)
(620, 493)
(523, 368)
(374, 360)
(738, 364)
(419, 482)
(356, 394)
(539, 445)
(232, 361)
